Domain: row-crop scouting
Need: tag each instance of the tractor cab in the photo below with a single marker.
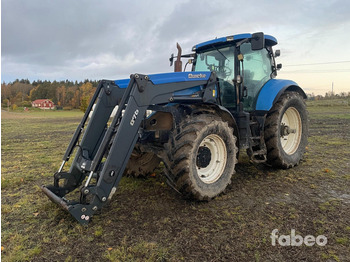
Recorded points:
(243, 64)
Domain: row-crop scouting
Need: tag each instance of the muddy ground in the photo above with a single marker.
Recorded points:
(147, 221)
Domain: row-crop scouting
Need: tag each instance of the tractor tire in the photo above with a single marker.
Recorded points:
(141, 164)
(201, 156)
(286, 131)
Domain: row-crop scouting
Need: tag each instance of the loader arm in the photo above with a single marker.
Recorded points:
(101, 175)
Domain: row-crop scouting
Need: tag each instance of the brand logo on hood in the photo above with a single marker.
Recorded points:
(197, 75)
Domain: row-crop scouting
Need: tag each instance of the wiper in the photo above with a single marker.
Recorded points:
(220, 52)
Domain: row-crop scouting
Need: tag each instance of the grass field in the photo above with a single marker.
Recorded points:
(147, 221)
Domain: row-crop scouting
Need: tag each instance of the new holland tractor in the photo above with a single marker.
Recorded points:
(195, 122)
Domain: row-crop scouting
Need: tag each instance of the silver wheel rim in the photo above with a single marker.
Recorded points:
(291, 129)
(210, 171)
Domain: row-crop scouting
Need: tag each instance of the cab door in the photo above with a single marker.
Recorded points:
(256, 71)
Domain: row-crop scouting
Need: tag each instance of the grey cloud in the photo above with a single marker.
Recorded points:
(79, 36)
(57, 30)
(96, 39)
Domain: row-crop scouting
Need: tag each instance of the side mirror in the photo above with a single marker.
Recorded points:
(277, 53)
(257, 41)
(171, 59)
(279, 66)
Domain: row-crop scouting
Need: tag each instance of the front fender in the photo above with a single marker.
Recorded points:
(226, 115)
(272, 90)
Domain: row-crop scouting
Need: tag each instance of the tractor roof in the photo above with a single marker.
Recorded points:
(269, 40)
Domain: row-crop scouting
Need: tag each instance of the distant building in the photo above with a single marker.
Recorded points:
(43, 104)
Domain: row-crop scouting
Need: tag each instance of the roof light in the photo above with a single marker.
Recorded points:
(229, 38)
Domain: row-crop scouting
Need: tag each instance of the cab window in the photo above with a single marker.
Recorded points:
(221, 61)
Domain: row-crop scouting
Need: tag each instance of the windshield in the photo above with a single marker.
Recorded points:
(219, 60)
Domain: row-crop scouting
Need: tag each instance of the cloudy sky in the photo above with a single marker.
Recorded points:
(76, 40)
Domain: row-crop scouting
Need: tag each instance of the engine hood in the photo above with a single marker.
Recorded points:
(166, 78)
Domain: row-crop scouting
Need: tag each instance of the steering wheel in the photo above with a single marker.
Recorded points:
(225, 71)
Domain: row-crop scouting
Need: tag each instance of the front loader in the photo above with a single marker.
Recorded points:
(199, 121)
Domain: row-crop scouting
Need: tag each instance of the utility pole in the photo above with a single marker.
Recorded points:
(332, 88)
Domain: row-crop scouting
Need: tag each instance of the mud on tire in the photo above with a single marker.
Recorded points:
(141, 164)
(286, 131)
(201, 156)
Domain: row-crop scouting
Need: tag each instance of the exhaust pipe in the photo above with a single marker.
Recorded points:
(178, 62)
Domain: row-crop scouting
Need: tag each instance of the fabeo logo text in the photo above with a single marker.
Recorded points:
(134, 116)
(196, 75)
(297, 240)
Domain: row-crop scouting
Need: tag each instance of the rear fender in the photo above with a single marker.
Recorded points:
(271, 92)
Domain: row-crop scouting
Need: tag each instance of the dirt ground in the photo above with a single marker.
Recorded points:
(147, 221)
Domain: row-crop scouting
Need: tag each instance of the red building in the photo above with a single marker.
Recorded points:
(43, 104)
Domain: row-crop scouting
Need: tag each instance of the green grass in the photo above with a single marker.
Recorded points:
(141, 251)
(342, 240)
(326, 103)
(329, 109)
(35, 112)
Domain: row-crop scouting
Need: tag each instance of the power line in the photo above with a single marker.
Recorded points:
(315, 71)
(323, 63)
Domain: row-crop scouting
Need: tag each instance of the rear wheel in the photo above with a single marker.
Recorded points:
(201, 157)
(286, 131)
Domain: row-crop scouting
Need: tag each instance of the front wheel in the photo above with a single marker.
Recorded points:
(286, 131)
(201, 157)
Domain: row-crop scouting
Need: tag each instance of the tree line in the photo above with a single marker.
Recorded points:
(70, 95)
(64, 94)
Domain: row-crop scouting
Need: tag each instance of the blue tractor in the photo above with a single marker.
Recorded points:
(195, 122)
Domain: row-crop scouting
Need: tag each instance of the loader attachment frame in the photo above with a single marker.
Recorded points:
(104, 150)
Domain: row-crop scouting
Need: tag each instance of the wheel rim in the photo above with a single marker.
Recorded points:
(291, 129)
(211, 159)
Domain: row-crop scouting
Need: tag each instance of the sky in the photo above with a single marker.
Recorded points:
(111, 39)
